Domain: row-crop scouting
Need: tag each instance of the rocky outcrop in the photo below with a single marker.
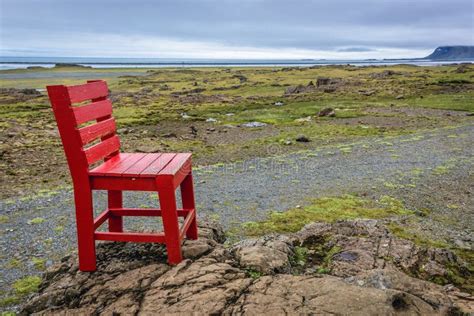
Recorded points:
(350, 267)
(452, 53)
(9, 95)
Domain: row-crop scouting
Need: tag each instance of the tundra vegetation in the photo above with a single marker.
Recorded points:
(204, 110)
(225, 115)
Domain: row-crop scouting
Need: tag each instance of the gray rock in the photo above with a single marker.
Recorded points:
(254, 124)
(329, 112)
(135, 279)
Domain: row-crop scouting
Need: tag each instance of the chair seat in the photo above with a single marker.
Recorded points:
(141, 165)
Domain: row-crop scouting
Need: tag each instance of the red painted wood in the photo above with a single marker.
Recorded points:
(88, 91)
(120, 168)
(175, 165)
(78, 166)
(188, 221)
(138, 167)
(146, 212)
(95, 131)
(153, 169)
(99, 220)
(178, 177)
(171, 225)
(125, 184)
(92, 111)
(119, 172)
(102, 169)
(102, 150)
(115, 200)
(133, 237)
(187, 199)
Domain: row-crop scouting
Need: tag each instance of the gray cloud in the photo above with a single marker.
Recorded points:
(338, 25)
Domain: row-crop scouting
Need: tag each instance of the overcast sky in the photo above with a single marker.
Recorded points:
(233, 29)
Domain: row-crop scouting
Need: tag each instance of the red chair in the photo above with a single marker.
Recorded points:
(117, 172)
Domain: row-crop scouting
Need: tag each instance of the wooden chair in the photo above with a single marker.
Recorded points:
(87, 145)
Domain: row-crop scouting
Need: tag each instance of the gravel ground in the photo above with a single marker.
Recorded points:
(403, 166)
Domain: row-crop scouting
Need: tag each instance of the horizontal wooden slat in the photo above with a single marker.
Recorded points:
(111, 163)
(102, 149)
(132, 237)
(88, 91)
(120, 168)
(153, 169)
(141, 165)
(92, 111)
(100, 129)
(123, 184)
(176, 164)
(145, 212)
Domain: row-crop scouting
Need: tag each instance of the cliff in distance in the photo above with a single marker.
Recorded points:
(452, 53)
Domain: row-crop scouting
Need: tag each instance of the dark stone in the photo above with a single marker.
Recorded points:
(330, 112)
(302, 139)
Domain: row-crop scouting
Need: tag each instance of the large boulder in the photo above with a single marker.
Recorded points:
(366, 273)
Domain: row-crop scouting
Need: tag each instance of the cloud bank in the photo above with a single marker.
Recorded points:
(234, 29)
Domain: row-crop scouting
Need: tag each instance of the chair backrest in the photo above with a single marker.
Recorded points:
(85, 143)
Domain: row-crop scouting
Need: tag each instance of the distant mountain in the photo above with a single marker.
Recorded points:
(452, 53)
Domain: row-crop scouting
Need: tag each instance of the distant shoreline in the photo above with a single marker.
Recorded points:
(8, 63)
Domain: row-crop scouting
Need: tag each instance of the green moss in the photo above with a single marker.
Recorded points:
(253, 274)
(142, 101)
(327, 209)
(9, 300)
(405, 233)
(14, 263)
(3, 219)
(440, 170)
(39, 263)
(8, 313)
(301, 256)
(36, 220)
(26, 285)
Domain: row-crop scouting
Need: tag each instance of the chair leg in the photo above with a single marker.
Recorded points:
(187, 198)
(115, 200)
(85, 229)
(170, 225)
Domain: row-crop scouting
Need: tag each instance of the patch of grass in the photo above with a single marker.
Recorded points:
(254, 274)
(3, 219)
(8, 301)
(26, 285)
(440, 170)
(455, 101)
(36, 220)
(459, 275)
(14, 263)
(404, 233)
(39, 263)
(327, 209)
(301, 256)
(416, 171)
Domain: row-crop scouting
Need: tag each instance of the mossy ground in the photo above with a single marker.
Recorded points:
(328, 209)
(20, 289)
(461, 276)
(152, 105)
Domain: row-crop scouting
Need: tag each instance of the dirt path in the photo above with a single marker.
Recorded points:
(413, 167)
